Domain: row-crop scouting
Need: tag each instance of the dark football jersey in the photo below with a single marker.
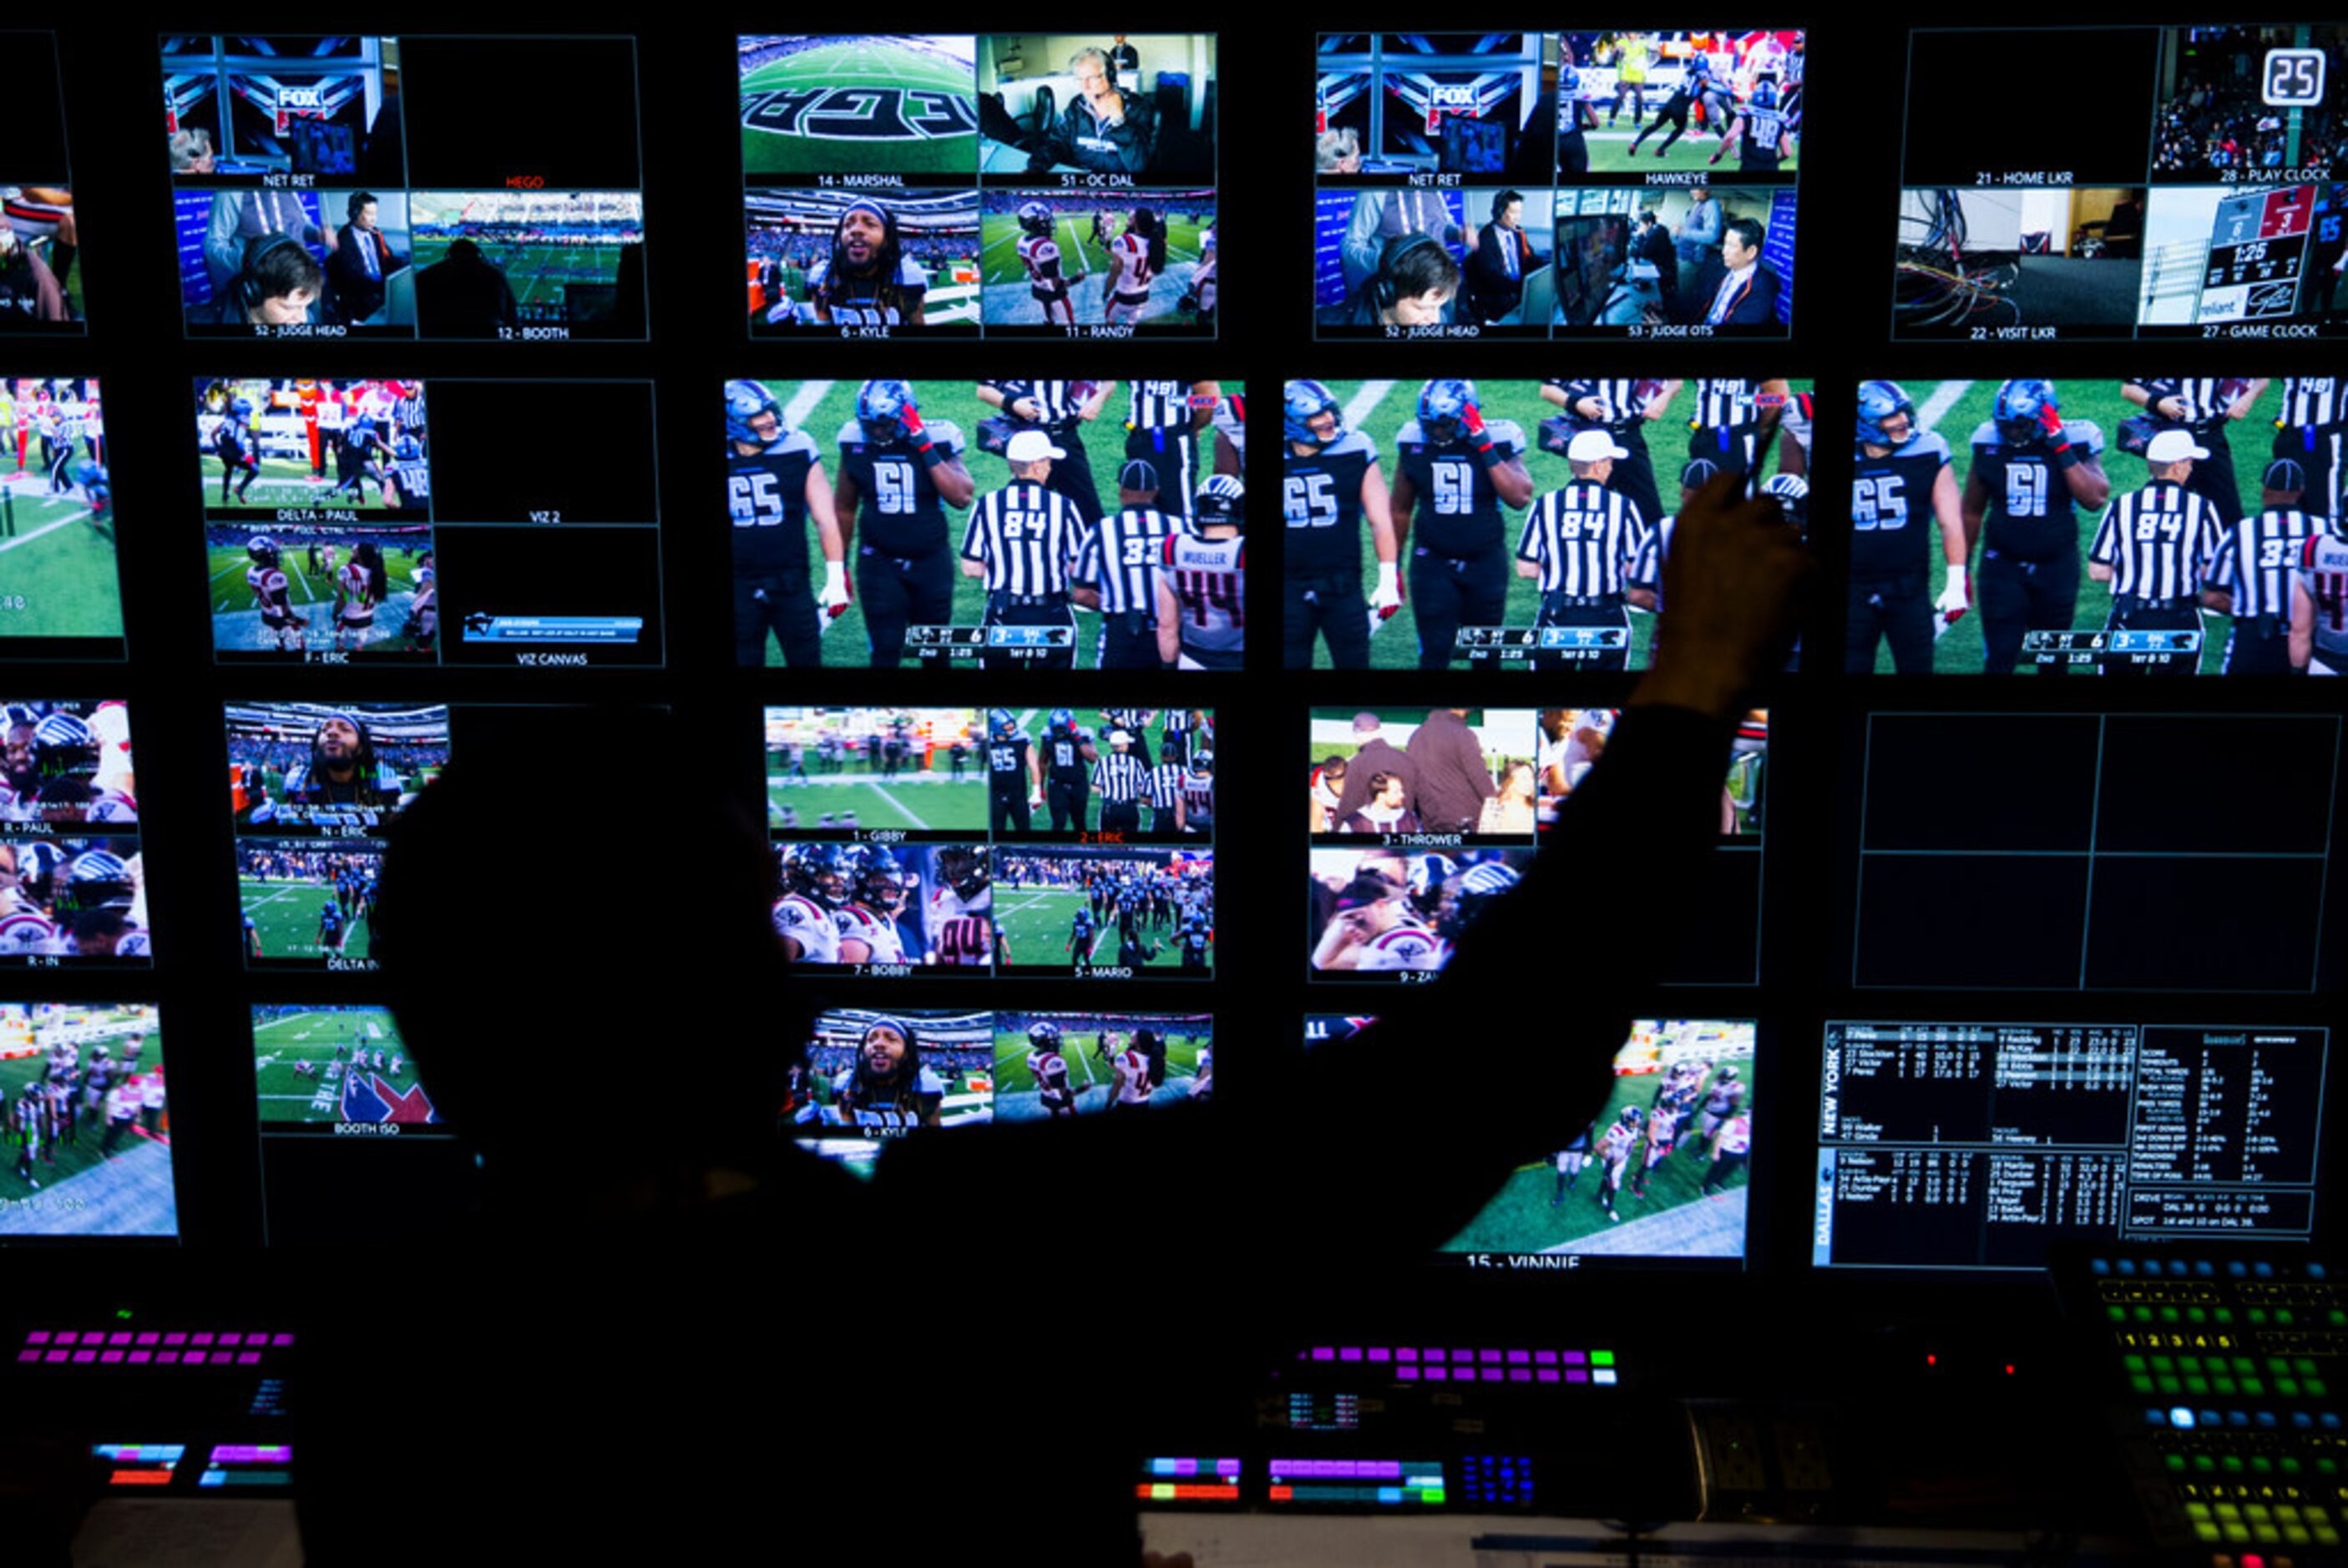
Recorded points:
(1321, 497)
(1892, 507)
(1006, 764)
(767, 494)
(1763, 128)
(900, 511)
(2031, 513)
(1063, 753)
(1459, 511)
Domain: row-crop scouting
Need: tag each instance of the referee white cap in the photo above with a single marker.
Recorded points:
(1590, 446)
(2174, 447)
(1120, 737)
(1033, 446)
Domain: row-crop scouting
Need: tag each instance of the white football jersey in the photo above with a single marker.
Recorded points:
(803, 921)
(878, 931)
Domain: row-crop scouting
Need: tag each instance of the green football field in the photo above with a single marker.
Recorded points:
(1610, 151)
(1093, 1078)
(57, 570)
(1956, 408)
(230, 593)
(539, 273)
(871, 63)
(1521, 1217)
(285, 1095)
(1381, 408)
(821, 408)
(287, 482)
(998, 248)
(285, 914)
(1034, 922)
(78, 1175)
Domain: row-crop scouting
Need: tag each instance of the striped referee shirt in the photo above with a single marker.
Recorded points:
(2255, 558)
(1120, 556)
(1165, 788)
(1617, 406)
(1132, 719)
(1725, 404)
(1027, 536)
(409, 413)
(1587, 539)
(2314, 401)
(1120, 778)
(1055, 401)
(2202, 402)
(1159, 404)
(2161, 542)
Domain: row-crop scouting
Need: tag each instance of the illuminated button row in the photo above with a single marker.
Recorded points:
(1190, 1480)
(2242, 1524)
(2201, 1268)
(2286, 1465)
(236, 1464)
(1385, 1483)
(1432, 1364)
(2185, 1419)
(2291, 1376)
(141, 1464)
(123, 1347)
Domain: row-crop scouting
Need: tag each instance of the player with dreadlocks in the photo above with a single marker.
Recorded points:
(889, 1086)
(868, 280)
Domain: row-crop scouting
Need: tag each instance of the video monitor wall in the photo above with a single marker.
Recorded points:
(40, 287)
(938, 842)
(337, 513)
(2190, 195)
(326, 1080)
(1510, 525)
(1659, 1178)
(1423, 818)
(1960, 1146)
(61, 592)
(73, 876)
(414, 187)
(1622, 183)
(1025, 185)
(84, 1122)
(1013, 526)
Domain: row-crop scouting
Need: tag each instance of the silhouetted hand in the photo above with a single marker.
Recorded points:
(1733, 591)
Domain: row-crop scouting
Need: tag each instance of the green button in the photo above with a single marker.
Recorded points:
(2197, 1385)
(2326, 1536)
(2142, 1315)
(2239, 1533)
(2244, 1363)
(2339, 1318)
(2261, 1465)
(2304, 1366)
(1601, 1358)
(2174, 1461)
(2222, 1385)
(2204, 1464)
(2316, 1389)
(2283, 1315)
(2277, 1364)
(2194, 1315)
(2231, 1464)
(2328, 1466)
(2132, 1363)
(2258, 1315)
(2141, 1383)
(2296, 1534)
(2206, 1532)
(2164, 1363)
(2197, 1511)
(2287, 1386)
(2225, 1315)
(2167, 1315)
(2289, 1465)
(2170, 1385)
(2253, 1387)
(2259, 1513)
(2229, 1510)
(2117, 1314)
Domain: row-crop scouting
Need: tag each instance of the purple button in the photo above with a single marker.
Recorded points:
(281, 1340)
(1406, 1372)
(1437, 1374)
(1406, 1354)
(150, 1338)
(1577, 1377)
(248, 1358)
(232, 1339)
(201, 1340)
(1380, 1353)
(117, 1339)
(57, 1356)
(1545, 1357)
(1546, 1377)
(175, 1340)
(1434, 1355)
(1577, 1358)
(30, 1354)
(1323, 1353)
(1493, 1375)
(38, 1337)
(167, 1355)
(1520, 1358)
(223, 1359)
(111, 1357)
(1490, 1358)
(84, 1355)
(1520, 1377)
(140, 1357)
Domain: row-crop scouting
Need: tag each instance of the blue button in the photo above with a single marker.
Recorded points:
(2128, 1266)
(2315, 1271)
(2152, 1267)
(2099, 1265)
(2177, 1267)
(2204, 1268)
(2181, 1418)
(2330, 1421)
(2263, 1270)
(2237, 1269)
(2266, 1417)
(2303, 1421)
(2157, 1418)
(2236, 1419)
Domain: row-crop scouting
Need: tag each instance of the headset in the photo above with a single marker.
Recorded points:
(248, 278)
(1382, 281)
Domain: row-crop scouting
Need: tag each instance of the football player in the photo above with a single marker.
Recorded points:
(272, 595)
(1084, 935)
(1069, 755)
(903, 473)
(238, 451)
(1049, 277)
(1723, 1100)
(359, 588)
(1902, 479)
(774, 483)
(867, 922)
(1201, 583)
(1457, 472)
(960, 913)
(1570, 1161)
(331, 927)
(1614, 1150)
(868, 280)
(1049, 1068)
(1132, 1067)
(801, 919)
(888, 1086)
(361, 455)
(1661, 1127)
(424, 610)
(1134, 259)
(1762, 133)
(1015, 774)
(1374, 928)
(1331, 483)
(2032, 469)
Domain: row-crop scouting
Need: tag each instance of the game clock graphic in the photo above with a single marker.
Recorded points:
(2192, 195)
(60, 596)
(990, 184)
(1510, 525)
(84, 1122)
(2163, 526)
(1634, 183)
(1021, 527)
(415, 187)
(368, 521)
(40, 286)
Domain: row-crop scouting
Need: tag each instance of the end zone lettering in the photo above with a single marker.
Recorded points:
(859, 114)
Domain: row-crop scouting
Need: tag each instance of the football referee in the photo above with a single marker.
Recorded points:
(2310, 427)
(2155, 546)
(2251, 581)
(1582, 543)
(1162, 422)
(1116, 569)
(1059, 410)
(1023, 540)
(1122, 781)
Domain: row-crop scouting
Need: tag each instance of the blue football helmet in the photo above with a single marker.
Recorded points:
(1764, 93)
(98, 867)
(240, 407)
(1035, 218)
(1879, 401)
(880, 411)
(746, 403)
(2018, 412)
(1307, 401)
(1062, 719)
(1442, 407)
(1000, 724)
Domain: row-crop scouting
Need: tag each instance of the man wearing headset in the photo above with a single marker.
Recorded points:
(239, 219)
(1413, 285)
(280, 285)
